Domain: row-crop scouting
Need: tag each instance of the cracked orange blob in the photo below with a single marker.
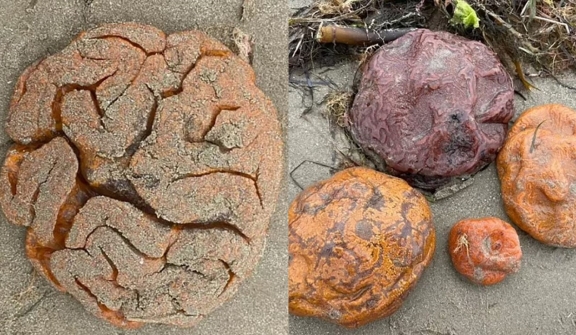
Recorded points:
(358, 242)
(146, 168)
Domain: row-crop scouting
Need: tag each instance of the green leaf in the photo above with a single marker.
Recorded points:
(465, 14)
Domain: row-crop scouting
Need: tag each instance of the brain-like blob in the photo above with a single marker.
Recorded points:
(146, 168)
(431, 106)
(358, 243)
(537, 170)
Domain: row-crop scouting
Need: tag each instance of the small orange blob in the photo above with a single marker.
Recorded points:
(484, 250)
(358, 242)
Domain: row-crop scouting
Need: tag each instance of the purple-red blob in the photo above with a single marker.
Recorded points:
(432, 106)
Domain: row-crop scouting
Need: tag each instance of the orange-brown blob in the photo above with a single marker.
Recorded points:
(484, 250)
(358, 243)
(537, 170)
(146, 169)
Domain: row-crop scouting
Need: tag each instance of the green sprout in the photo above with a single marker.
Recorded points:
(465, 14)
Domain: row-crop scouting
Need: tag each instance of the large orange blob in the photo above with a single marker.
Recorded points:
(358, 243)
(537, 170)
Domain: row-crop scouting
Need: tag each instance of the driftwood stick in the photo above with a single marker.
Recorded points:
(357, 36)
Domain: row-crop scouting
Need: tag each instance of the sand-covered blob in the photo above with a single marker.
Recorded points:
(146, 168)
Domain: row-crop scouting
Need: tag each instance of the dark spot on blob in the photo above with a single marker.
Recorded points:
(326, 197)
(311, 209)
(338, 227)
(412, 194)
(406, 207)
(326, 250)
(376, 201)
(364, 230)
(371, 303)
(406, 231)
(460, 141)
(358, 187)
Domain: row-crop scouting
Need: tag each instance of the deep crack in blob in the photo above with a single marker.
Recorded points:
(432, 106)
(146, 168)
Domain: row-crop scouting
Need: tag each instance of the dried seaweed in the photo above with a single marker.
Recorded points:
(372, 15)
(539, 33)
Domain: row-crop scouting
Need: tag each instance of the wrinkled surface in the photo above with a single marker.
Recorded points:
(358, 242)
(432, 105)
(484, 250)
(537, 171)
(146, 168)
